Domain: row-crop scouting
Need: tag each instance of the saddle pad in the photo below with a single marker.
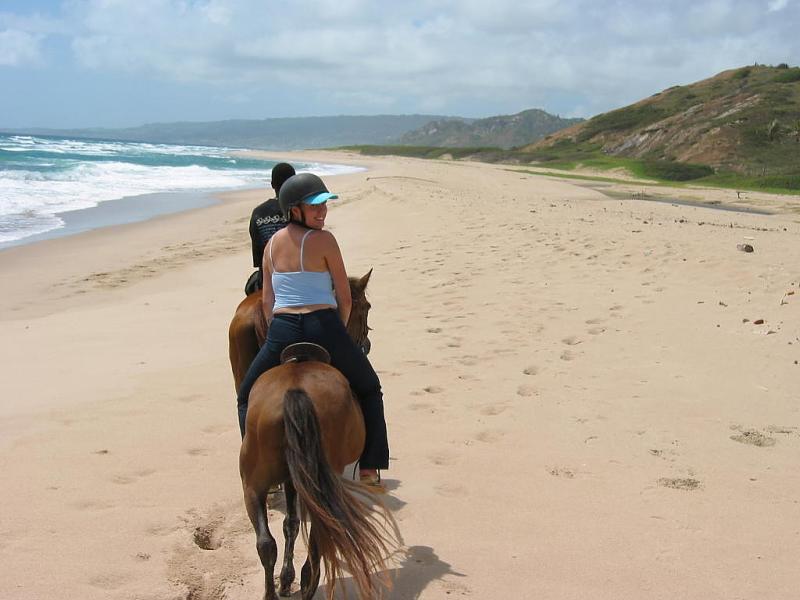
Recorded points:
(305, 351)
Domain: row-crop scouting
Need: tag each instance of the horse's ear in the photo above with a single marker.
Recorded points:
(362, 283)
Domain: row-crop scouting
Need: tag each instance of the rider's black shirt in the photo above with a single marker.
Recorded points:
(265, 221)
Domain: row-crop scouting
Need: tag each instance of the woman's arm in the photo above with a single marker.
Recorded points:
(341, 286)
(267, 293)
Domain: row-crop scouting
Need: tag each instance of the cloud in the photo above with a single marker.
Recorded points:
(459, 55)
(19, 48)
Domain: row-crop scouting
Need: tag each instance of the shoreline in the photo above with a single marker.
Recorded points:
(144, 207)
(123, 211)
(617, 376)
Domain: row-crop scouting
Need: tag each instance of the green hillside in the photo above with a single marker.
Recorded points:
(740, 127)
(505, 131)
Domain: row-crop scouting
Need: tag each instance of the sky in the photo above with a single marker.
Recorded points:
(120, 63)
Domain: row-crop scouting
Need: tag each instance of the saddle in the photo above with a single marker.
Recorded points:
(303, 352)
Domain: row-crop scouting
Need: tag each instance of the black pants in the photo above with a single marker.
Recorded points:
(324, 327)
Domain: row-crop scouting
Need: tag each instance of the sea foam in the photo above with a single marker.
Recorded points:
(42, 177)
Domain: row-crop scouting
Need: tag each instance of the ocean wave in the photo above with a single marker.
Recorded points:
(87, 184)
(43, 177)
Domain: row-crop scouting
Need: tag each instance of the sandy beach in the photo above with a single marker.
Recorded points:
(587, 397)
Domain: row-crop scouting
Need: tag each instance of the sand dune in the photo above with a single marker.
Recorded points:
(587, 397)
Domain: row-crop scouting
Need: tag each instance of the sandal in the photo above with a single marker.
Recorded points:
(373, 482)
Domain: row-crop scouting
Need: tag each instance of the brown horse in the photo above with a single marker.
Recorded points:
(248, 328)
(303, 427)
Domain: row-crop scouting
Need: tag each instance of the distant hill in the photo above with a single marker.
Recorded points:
(268, 134)
(745, 121)
(506, 131)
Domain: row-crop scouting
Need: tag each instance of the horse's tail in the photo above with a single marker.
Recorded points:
(346, 531)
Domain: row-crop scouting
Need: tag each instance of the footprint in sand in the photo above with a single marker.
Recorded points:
(753, 437)
(434, 330)
(526, 390)
(595, 330)
(198, 452)
(450, 490)
(92, 505)
(420, 406)
(454, 589)
(493, 409)
(109, 581)
(194, 564)
(215, 429)
(207, 536)
(594, 321)
(441, 459)
(488, 437)
(433, 389)
(786, 430)
(680, 483)
(531, 370)
(571, 340)
(561, 472)
(416, 363)
(568, 355)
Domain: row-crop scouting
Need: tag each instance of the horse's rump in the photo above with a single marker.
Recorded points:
(341, 421)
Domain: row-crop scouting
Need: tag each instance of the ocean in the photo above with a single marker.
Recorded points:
(53, 186)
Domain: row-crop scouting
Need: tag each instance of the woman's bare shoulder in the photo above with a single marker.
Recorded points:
(325, 238)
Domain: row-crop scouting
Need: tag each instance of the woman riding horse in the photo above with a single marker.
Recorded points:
(306, 298)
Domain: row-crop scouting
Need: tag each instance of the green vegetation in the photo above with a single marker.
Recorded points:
(667, 173)
(624, 118)
(675, 171)
(788, 76)
(776, 184)
(485, 154)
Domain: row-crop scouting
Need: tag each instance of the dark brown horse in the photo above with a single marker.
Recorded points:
(248, 328)
(303, 427)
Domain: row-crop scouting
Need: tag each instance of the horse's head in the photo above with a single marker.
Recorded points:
(357, 326)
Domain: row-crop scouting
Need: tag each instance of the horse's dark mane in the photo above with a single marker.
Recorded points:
(357, 327)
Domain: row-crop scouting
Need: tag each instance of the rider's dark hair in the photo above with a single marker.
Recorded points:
(280, 173)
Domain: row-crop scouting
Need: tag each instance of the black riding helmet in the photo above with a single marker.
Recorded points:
(303, 188)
